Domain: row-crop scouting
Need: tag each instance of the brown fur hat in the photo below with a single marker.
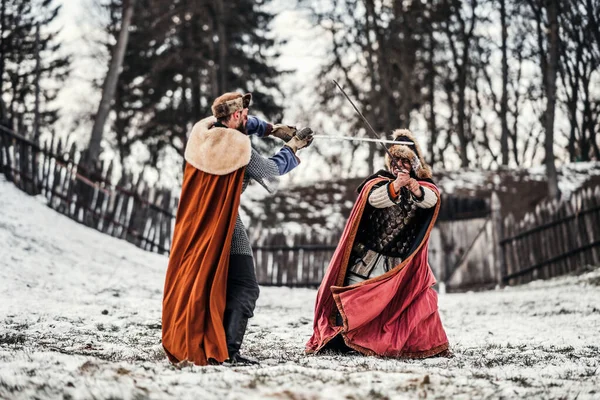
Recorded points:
(229, 103)
(412, 153)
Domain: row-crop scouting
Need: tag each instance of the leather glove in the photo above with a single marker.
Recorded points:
(283, 132)
(295, 143)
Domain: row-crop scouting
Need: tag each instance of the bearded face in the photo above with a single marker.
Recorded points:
(404, 164)
(241, 120)
(241, 126)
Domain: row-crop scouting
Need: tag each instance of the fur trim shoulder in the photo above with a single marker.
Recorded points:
(217, 151)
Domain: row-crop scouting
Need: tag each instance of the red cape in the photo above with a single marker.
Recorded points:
(196, 281)
(394, 314)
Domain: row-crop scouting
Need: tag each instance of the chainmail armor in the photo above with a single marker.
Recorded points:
(265, 172)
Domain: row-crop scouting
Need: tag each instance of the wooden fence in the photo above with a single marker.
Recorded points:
(558, 238)
(555, 239)
(293, 263)
(129, 210)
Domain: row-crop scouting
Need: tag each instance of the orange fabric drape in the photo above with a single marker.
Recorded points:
(196, 279)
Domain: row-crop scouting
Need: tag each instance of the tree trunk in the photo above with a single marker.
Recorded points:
(552, 68)
(36, 115)
(2, 44)
(504, 100)
(221, 18)
(110, 84)
(431, 84)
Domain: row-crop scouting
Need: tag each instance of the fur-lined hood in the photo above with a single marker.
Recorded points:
(217, 151)
(412, 153)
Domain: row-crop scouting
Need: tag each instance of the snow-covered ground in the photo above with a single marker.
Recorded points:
(80, 319)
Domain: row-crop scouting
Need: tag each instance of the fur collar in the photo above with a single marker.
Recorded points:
(217, 151)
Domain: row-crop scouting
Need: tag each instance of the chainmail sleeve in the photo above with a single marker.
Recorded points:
(266, 172)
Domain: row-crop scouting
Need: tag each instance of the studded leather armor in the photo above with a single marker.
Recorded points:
(389, 231)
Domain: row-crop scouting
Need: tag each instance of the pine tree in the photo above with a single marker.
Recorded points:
(181, 55)
(19, 53)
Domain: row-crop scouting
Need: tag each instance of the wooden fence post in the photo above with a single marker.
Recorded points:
(497, 224)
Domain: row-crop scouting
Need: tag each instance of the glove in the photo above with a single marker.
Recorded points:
(308, 134)
(295, 143)
(283, 132)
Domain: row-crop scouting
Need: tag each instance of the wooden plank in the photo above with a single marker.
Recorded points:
(265, 262)
(34, 166)
(165, 229)
(46, 169)
(2, 156)
(593, 221)
(306, 262)
(279, 259)
(521, 254)
(579, 227)
(551, 239)
(56, 180)
(507, 246)
(572, 262)
(541, 239)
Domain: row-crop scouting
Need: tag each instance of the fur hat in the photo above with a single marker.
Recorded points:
(409, 152)
(229, 103)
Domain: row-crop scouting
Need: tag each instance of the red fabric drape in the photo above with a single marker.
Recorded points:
(394, 314)
(196, 279)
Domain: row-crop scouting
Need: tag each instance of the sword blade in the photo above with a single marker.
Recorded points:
(361, 139)
(370, 130)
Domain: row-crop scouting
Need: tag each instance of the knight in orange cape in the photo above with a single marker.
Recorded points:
(377, 296)
(210, 285)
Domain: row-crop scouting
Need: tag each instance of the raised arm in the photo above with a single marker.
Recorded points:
(385, 195)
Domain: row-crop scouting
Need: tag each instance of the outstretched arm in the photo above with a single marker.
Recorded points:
(258, 127)
(267, 171)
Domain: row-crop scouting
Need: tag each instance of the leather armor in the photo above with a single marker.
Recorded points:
(389, 231)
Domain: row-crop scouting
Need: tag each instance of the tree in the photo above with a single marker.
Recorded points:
(552, 70)
(579, 66)
(504, 100)
(110, 83)
(29, 64)
(181, 56)
(376, 54)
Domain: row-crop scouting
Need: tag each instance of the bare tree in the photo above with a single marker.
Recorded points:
(553, 50)
(504, 100)
(580, 62)
(110, 84)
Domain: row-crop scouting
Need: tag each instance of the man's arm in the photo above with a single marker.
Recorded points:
(258, 127)
(385, 195)
(267, 171)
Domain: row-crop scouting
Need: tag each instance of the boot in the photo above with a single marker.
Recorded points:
(235, 328)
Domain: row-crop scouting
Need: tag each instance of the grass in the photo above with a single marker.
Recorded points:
(12, 338)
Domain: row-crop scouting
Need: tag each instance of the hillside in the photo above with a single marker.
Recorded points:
(80, 316)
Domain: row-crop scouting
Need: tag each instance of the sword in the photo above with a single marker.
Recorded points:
(370, 130)
(360, 139)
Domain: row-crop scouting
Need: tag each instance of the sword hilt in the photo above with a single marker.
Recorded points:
(304, 133)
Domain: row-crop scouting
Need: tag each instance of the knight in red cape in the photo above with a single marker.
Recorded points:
(377, 296)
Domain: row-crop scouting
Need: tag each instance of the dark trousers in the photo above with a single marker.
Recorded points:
(242, 288)
(242, 293)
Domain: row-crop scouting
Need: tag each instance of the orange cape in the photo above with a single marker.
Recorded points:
(394, 314)
(196, 281)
